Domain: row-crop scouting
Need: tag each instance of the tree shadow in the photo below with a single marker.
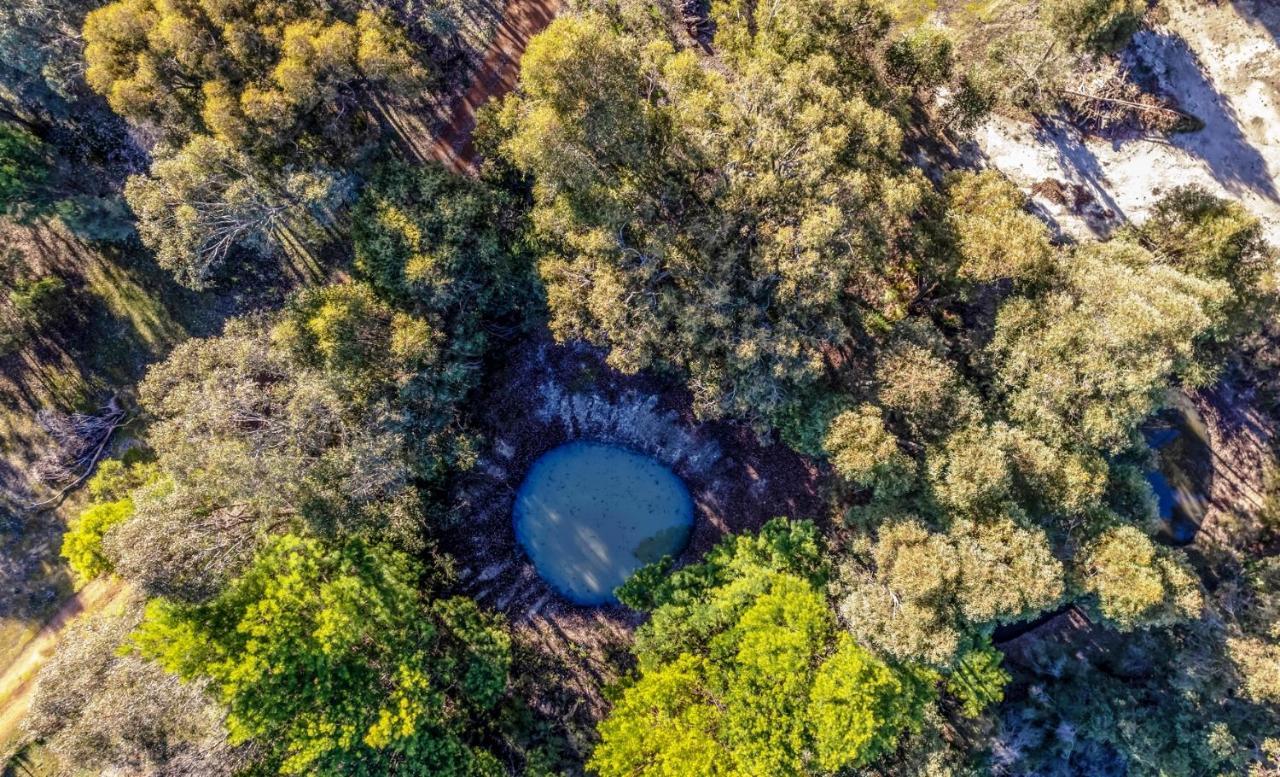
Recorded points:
(1222, 143)
(1093, 200)
(1264, 13)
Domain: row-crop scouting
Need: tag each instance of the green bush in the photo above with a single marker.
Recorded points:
(22, 166)
(1100, 25)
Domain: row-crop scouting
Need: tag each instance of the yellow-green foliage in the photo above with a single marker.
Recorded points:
(82, 544)
(743, 673)
(109, 490)
(996, 236)
(330, 657)
(255, 74)
(1259, 664)
(978, 680)
(1139, 584)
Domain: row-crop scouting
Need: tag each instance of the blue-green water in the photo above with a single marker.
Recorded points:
(589, 515)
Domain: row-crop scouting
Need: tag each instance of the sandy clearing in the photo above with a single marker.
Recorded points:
(1222, 63)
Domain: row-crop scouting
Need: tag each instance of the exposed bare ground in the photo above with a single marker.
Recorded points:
(1240, 445)
(17, 680)
(545, 394)
(1221, 62)
(446, 138)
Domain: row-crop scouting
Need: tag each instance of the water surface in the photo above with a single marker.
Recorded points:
(1181, 440)
(590, 514)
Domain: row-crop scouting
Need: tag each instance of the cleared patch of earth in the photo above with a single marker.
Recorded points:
(1221, 62)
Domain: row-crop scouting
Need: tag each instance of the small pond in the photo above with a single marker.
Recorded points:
(590, 514)
(1180, 439)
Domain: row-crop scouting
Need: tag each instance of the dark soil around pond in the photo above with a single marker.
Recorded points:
(541, 395)
(746, 485)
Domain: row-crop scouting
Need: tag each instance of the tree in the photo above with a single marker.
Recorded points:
(259, 106)
(1137, 583)
(249, 443)
(921, 57)
(749, 280)
(863, 452)
(997, 238)
(82, 544)
(1217, 240)
(1259, 663)
(1085, 362)
(331, 659)
(917, 381)
(978, 680)
(742, 672)
(109, 491)
(259, 76)
(1101, 25)
(448, 257)
(931, 595)
(100, 711)
(207, 200)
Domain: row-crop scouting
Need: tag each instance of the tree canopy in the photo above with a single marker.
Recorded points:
(743, 672)
(741, 224)
(332, 658)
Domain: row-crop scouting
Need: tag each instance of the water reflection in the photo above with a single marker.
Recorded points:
(1180, 439)
(590, 514)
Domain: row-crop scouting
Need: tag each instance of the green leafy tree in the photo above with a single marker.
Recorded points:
(932, 594)
(918, 382)
(257, 105)
(82, 544)
(1217, 239)
(446, 255)
(978, 680)
(742, 672)
(748, 280)
(109, 490)
(920, 57)
(332, 659)
(1139, 584)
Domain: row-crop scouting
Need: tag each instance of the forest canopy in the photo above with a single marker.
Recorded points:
(296, 293)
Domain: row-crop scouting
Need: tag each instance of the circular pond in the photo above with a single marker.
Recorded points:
(589, 515)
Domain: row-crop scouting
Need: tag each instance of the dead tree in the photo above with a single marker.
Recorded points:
(79, 440)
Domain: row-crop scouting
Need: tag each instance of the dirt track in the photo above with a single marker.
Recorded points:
(17, 681)
(498, 73)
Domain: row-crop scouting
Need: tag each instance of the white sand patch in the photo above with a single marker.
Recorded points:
(1222, 63)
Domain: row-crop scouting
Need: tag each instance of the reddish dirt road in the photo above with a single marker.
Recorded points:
(498, 73)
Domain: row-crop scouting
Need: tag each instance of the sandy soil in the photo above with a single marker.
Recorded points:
(1221, 63)
(17, 681)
